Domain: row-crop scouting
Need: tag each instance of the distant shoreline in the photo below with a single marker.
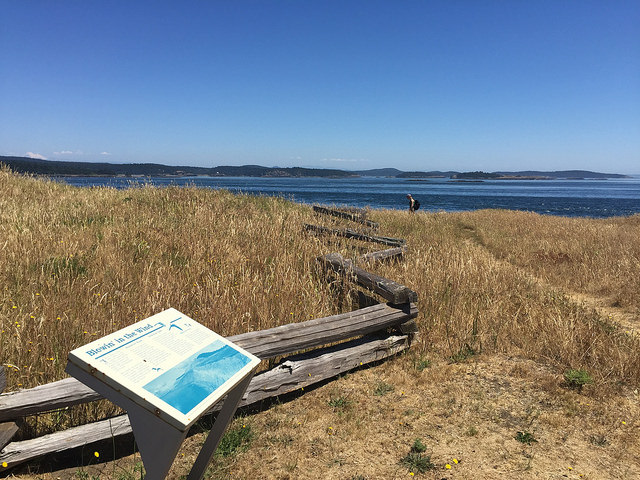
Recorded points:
(51, 168)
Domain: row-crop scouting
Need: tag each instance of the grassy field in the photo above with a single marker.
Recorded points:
(527, 364)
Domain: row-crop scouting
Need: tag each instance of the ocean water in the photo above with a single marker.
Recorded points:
(573, 198)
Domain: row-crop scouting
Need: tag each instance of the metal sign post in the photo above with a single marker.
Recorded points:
(216, 432)
(166, 372)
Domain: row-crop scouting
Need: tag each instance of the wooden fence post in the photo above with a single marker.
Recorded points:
(7, 429)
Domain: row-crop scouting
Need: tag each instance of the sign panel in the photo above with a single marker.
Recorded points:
(169, 364)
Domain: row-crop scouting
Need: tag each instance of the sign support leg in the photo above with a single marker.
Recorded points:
(157, 441)
(173, 390)
(215, 435)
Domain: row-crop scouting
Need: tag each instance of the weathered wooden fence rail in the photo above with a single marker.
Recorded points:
(361, 333)
(355, 215)
(265, 344)
(292, 374)
(347, 233)
(380, 255)
(388, 289)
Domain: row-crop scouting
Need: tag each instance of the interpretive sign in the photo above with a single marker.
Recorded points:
(168, 364)
(166, 372)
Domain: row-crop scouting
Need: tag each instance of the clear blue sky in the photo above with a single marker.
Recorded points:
(416, 85)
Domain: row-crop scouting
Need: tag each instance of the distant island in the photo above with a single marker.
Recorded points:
(536, 175)
(88, 169)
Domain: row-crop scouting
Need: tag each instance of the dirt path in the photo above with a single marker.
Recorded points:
(629, 322)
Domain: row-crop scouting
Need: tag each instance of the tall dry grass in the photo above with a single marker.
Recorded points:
(594, 257)
(485, 286)
(76, 264)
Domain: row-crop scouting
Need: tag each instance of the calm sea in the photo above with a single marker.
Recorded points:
(573, 198)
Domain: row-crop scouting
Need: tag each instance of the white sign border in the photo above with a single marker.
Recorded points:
(147, 400)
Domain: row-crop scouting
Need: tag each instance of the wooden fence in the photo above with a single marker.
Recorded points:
(363, 333)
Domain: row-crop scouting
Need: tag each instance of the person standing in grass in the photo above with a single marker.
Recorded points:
(412, 203)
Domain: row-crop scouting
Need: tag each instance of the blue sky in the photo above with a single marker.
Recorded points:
(416, 85)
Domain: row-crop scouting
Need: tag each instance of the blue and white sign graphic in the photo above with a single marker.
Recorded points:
(169, 364)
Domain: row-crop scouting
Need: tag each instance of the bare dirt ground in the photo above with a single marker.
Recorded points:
(472, 417)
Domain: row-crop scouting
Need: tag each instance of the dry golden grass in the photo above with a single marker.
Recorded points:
(498, 318)
(596, 257)
(77, 264)
(472, 299)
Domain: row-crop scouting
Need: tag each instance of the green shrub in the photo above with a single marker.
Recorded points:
(526, 437)
(416, 462)
(421, 364)
(418, 446)
(340, 403)
(577, 378)
(236, 439)
(382, 388)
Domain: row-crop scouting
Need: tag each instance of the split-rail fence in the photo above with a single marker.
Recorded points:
(367, 335)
